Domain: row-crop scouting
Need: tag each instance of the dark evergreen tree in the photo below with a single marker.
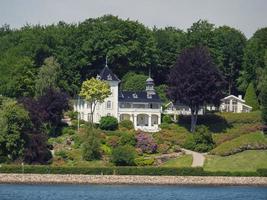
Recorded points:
(251, 97)
(195, 81)
(264, 105)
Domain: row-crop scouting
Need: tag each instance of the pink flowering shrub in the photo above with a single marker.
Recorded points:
(146, 142)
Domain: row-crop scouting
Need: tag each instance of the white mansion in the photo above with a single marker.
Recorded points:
(144, 108)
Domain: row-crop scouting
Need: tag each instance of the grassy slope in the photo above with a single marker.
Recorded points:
(246, 161)
(183, 161)
(248, 141)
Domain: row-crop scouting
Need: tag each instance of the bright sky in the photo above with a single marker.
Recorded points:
(245, 15)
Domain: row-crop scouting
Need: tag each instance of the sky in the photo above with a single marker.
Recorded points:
(245, 15)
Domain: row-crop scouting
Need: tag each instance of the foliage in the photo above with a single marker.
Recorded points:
(250, 141)
(108, 123)
(14, 125)
(146, 143)
(250, 160)
(113, 141)
(128, 138)
(251, 97)
(134, 82)
(47, 111)
(141, 161)
(230, 44)
(195, 81)
(94, 91)
(127, 124)
(91, 145)
(201, 140)
(264, 105)
(167, 119)
(123, 155)
(162, 92)
(48, 76)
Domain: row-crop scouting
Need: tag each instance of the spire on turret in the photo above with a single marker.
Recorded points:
(150, 85)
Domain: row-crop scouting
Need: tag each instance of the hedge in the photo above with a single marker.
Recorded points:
(167, 171)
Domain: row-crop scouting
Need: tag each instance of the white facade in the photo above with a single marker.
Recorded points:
(234, 104)
(142, 108)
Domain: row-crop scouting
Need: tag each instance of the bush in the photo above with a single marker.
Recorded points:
(72, 114)
(108, 123)
(127, 124)
(167, 119)
(106, 150)
(113, 141)
(146, 142)
(91, 145)
(201, 140)
(62, 154)
(68, 131)
(128, 138)
(123, 155)
(163, 148)
(144, 161)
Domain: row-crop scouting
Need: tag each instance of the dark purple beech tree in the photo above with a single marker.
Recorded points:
(45, 110)
(195, 81)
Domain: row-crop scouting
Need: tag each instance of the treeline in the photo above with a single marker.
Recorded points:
(80, 51)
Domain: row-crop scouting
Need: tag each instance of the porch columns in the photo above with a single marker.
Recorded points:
(149, 120)
(231, 105)
(135, 120)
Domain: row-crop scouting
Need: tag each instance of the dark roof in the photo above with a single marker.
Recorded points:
(107, 75)
(125, 96)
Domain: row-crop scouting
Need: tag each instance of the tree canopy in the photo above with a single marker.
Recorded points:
(195, 81)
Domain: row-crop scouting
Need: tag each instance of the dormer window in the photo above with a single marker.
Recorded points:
(135, 96)
(149, 96)
(109, 77)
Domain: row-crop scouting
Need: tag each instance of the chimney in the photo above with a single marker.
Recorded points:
(240, 96)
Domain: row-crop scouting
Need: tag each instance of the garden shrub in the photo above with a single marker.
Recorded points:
(127, 124)
(91, 145)
(146, 142)
(201, 140)
(128, 138)
(113, 141)
(167, 119)
(108, 123)
(72, 114)
(141, 161)
(163, 148)
(62, 154)
(68, 131)
(106, 150)
(123, 155)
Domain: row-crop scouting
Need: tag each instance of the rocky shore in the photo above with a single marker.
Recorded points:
(115, 179)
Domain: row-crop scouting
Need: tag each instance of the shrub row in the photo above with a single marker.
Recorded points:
(168, 171)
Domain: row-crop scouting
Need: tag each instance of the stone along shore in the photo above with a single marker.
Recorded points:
(119, 179)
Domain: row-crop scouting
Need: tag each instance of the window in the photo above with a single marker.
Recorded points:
(108, 114)
(135, 96)
(109, 77)
(109, 104)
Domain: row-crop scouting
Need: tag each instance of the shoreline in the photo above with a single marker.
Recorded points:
(130, 180)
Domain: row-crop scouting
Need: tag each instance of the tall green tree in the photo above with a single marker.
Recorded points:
(134, 82)
(14, 124)
(48, 76)
(264, 105)
(251, 97)
(229, 45)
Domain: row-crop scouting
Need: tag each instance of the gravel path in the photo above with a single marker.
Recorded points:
(198, 158)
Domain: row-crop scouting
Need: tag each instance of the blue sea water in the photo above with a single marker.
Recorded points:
(130, 192)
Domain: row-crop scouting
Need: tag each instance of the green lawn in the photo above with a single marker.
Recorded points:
(245, 161)
(252, 141)
(182, 161)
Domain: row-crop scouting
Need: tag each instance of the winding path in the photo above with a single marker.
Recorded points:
(198, 158)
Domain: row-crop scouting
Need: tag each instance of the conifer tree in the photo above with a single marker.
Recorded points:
(251, 97)
(264, 105)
